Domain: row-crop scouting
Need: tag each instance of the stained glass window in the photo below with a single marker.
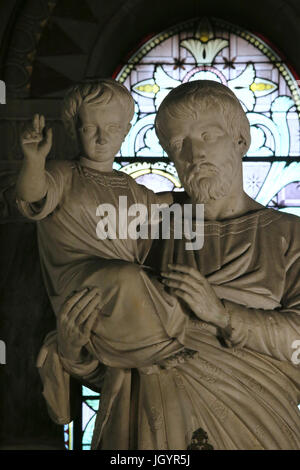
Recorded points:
(262, 81)
(85, 423)
(267, 89)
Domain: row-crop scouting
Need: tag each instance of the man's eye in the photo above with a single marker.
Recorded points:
(208, 136)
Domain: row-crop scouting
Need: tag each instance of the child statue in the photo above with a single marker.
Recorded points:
(63, 197)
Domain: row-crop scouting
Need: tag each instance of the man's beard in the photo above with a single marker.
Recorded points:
(204, 182)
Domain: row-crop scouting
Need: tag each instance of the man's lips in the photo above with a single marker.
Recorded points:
(201, 166)
(201, 170)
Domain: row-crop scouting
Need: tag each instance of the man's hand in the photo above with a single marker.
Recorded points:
(188, 284)
(35, 145)
(75, 321)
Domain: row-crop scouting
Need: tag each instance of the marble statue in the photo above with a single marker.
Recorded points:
(202, 356)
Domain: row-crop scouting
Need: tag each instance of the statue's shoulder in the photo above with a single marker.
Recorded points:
(285, 225)
(61, 168)
(130, 182)
(125, 176)
(62, 165)
(292, 224)
(287, 219)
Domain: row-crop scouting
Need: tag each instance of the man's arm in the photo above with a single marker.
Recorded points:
(274, 332)
(271, 332)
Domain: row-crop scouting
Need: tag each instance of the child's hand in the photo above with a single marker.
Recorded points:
(33, 142)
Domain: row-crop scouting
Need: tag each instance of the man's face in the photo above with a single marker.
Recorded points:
(102, 130)
(205, 155)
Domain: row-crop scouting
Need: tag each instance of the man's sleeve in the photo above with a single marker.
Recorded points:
(55, 177)
(272, 332)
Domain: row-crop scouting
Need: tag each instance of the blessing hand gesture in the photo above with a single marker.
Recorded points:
(34, 142)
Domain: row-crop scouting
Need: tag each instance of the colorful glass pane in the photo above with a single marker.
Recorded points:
(68, 436)
(216, 50)
(90, 406)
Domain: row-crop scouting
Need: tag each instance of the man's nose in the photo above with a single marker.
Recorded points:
(198, 152)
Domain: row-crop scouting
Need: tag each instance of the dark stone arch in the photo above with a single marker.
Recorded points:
(55, 43)
(278, 21)
(116, 27)
(30, 18)
(107, 43)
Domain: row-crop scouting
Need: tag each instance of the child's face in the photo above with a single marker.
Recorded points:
(102, 130)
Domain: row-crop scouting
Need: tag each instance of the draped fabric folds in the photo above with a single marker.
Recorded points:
(157, 390)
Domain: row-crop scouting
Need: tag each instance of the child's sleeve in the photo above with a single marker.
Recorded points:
(55, 177)
(146, 196)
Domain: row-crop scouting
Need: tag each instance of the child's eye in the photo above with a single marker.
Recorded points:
(176, 145)
(113, 128)
(88, 129)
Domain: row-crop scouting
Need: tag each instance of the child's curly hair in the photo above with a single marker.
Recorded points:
(94, 92)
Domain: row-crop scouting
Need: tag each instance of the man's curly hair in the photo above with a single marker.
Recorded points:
(192, 99)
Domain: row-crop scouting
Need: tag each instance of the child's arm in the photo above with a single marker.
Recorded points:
(32, 184)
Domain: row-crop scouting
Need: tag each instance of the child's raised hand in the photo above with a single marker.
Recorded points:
(34, 142)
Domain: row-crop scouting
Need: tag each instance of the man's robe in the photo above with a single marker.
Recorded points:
(243, 391)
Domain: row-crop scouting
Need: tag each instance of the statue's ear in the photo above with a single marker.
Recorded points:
(242, 144)
(127, 130)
